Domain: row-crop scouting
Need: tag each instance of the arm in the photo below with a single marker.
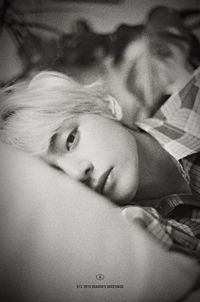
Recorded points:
(56, 234)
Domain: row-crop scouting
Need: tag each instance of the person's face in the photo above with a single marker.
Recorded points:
(98, 152)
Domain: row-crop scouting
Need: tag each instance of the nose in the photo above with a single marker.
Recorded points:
(84, 170)
(79, 170)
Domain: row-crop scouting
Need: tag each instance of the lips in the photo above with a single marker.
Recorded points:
(103, 181)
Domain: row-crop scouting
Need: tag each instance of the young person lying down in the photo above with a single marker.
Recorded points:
(154, 167)
(75, 129)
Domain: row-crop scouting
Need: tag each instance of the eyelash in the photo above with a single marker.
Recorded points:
(70, 145)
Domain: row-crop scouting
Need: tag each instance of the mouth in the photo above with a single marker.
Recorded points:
(104, 180)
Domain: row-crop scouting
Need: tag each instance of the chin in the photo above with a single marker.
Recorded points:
(123, 199)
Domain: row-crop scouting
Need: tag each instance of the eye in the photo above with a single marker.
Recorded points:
(72, 139)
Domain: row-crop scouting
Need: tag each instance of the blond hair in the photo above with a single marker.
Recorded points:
(33, 111)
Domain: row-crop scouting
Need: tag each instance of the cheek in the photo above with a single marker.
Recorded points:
(126, 172)
(98, 142)
(127, 184)
(105, 141)
(132, 164)
(127, 149)
(131, 171)
(95, 149)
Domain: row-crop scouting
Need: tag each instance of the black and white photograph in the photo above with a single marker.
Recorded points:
(99, 151)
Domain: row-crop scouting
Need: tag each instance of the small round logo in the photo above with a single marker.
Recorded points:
(100, 277)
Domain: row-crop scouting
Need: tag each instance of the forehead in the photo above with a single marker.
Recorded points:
(89, 118)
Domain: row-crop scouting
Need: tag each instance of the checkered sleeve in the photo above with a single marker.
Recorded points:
(175, 223)
(176, 125)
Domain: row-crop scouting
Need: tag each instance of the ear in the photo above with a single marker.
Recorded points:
(114, 107)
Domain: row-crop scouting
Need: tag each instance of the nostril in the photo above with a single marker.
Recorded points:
(87, 167)
(84, 170)
(88, 170)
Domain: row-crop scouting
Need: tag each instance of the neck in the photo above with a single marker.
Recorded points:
(159, 175)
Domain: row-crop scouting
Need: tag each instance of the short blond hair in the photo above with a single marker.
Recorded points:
(32, 112)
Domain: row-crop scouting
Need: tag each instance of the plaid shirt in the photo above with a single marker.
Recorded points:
(174, 220)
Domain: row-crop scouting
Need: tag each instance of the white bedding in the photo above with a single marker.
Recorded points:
(57, 235)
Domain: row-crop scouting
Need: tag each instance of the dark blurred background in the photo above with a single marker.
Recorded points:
(45, 34)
